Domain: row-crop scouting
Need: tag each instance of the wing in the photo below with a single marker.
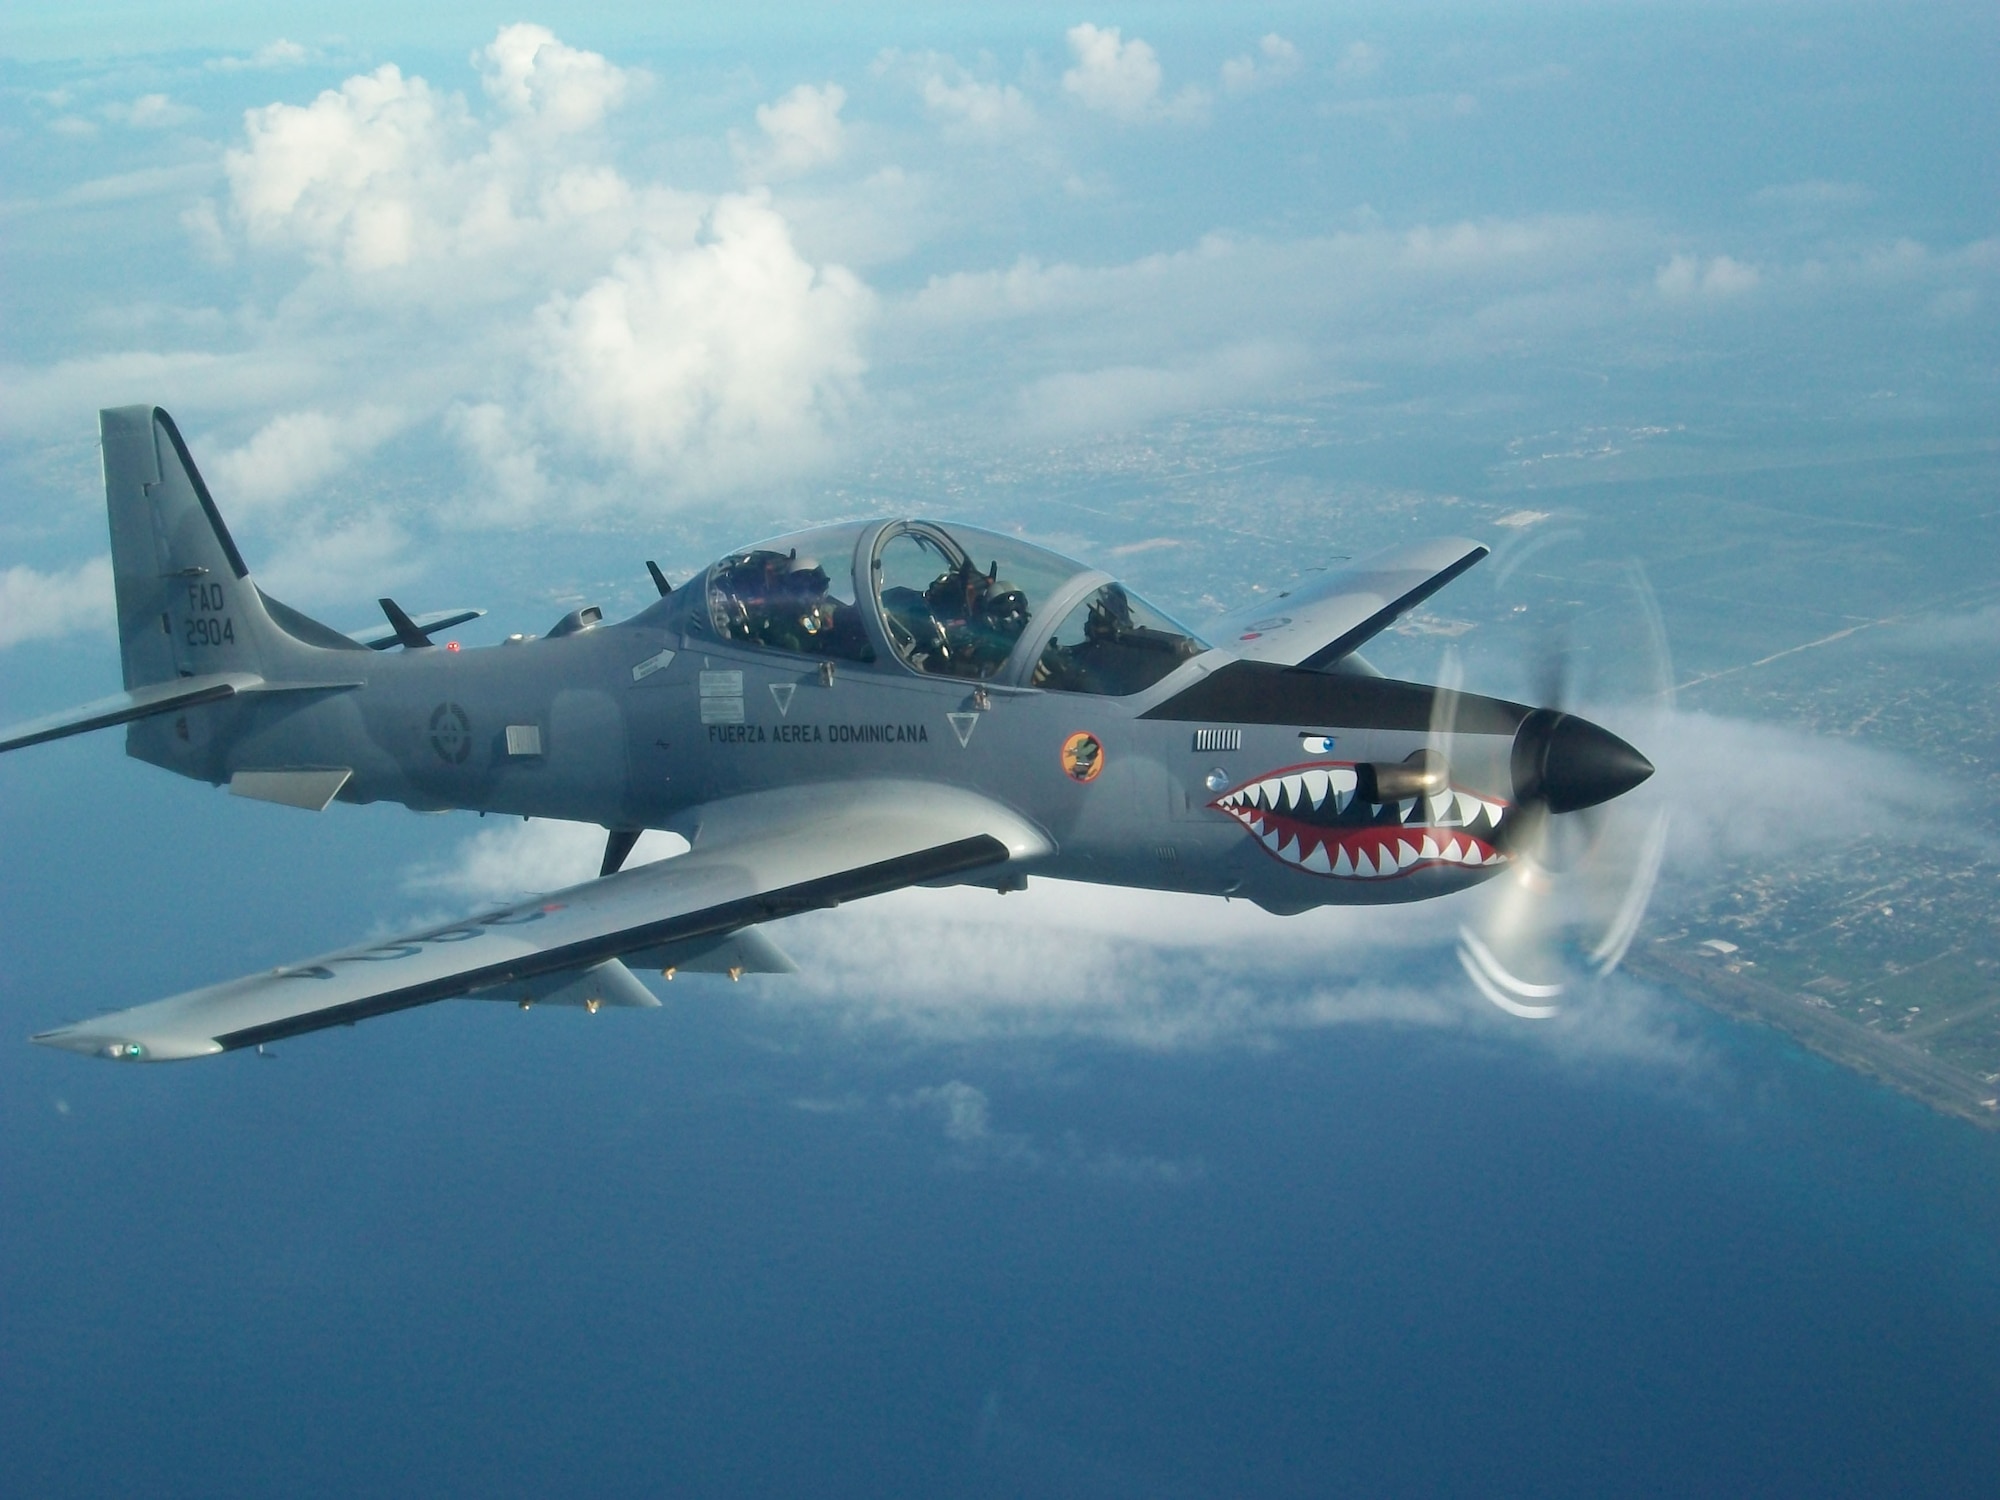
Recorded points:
(754, 858)
(1315, 623)
(157, 698)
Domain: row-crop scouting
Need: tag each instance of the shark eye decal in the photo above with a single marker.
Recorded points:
(1309, 817)
(1082, 757)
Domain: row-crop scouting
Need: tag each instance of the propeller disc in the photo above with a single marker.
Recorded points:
(1583, 855)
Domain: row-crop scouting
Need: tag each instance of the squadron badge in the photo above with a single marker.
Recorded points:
(1082, 757)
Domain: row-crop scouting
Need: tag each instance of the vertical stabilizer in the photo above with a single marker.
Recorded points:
(186, 605)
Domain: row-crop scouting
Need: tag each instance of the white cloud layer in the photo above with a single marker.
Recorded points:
(41, 606)
(296, 454)
(325, 562)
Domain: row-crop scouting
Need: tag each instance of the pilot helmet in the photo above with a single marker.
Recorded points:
(805, 574)
(1006, 606)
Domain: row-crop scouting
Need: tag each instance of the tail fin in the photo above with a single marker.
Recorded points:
(186, 604)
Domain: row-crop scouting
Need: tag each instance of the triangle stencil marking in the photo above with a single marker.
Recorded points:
(962, 725)
(781, 694)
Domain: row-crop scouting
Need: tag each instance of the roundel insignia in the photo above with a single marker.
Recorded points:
(1082, 756)
(451, 734)
(1257, 627)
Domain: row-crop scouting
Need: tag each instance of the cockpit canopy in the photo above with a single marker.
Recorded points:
(795, 594)
(945, 602)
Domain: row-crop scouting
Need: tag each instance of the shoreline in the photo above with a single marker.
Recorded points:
(1942, 1086)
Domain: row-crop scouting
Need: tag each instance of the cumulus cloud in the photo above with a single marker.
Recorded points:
(964, 1111)
(41, 606)
(387, 171)
(1688, 276)
(706, 363)
(987, 109)
(296, 453)
(1122, 78)
(671, 336)
(359, 176)
(800, 132)
(965, 104)
(533, 76)
(1274, 61)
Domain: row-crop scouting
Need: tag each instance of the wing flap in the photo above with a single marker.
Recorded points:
(608, 983)
(759, 858)
(1332, 614)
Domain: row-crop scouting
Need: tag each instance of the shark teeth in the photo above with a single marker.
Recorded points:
(1294, 791)
(1372, 857)
(1288, 812)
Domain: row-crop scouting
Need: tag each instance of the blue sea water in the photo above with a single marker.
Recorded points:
(721, 1249)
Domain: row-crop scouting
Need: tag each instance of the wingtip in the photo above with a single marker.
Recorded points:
(86, 1042)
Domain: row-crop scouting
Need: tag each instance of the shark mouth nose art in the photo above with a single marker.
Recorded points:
(1309, 817)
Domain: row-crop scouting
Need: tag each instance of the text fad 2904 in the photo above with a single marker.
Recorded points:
(207, 624)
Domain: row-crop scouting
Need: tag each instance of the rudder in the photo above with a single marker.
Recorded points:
(186, 605)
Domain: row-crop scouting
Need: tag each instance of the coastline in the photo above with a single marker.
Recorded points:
(1942, 1086)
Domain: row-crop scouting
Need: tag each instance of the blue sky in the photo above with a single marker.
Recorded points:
(477, 306)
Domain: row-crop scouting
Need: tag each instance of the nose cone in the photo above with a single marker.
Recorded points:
(1567, 763)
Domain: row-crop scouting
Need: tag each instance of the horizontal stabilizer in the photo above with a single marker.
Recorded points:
(311, 788)
(158, 698)
(382, 637)
(1330, 615)
(608, 983)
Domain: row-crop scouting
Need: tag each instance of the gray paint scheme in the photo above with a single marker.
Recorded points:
(858, 765)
